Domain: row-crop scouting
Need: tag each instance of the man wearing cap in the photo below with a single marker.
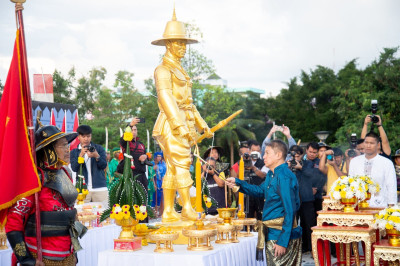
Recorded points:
(397, 168)
(93, 168)
(178, 121)
(332, 164)
(57, 199)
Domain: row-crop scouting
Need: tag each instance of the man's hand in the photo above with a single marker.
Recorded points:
(134, 121)
(298, 166)
(330, 162)
(329, 152)
(286, 131)
(273, 130)
(83, 151)
(379, 122)
(231, 182)
(94, 154)
(367, 120)
(314, 190)
(208, 133)
(142, 157)
(279, 250)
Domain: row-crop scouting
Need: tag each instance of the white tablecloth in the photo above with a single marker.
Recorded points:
(237, 254)
(95, 240)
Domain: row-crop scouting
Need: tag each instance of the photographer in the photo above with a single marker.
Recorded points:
(295, 161)
(356, 149)
(332, 164)
(93, 168)
(138, 152)
(385, 150)
(215, 185)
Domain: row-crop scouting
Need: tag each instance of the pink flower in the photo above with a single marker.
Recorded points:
(125, 212)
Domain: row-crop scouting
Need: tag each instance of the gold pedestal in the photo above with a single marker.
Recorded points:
(393, 237)
(364, 204)
(348, 204)
(227, 214)
(177, 227)
(384, 251)
(199, 239)
(226, 234)
(126, 225)
(163, 239)
(247, 222)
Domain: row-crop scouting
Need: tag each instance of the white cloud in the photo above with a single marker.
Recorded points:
(255, 43)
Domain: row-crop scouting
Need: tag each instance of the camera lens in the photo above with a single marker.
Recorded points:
(374, 119)
(352, 153)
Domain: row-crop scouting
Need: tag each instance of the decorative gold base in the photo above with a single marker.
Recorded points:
(199, 238)
(177, 227)
(165, 239)
(226, 234)
(394, 241)
(241, 215)
(126, 225)
(348, 204)
(227, 214)
(393, 237)
(363, 204)
(248, 222)
(349, 209)
(81, 197)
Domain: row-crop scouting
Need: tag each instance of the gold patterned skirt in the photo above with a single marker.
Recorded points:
(68, 261)
(292, 257)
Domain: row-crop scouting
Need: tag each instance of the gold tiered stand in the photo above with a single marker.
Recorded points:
(247, 222)
(165, 239)
(199, 237)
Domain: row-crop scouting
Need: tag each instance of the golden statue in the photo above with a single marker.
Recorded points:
(178, 121)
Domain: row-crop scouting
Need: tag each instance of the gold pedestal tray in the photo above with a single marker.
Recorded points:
(177, 227)
(247, 222)
(199, 239)
(331, 204)
(226, 233)
(87, 219)
(227, 214)
(165, 239)
(81, 197)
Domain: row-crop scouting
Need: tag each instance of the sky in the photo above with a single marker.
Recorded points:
(255, 43)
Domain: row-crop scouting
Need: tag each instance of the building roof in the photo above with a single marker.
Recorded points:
(246, 89)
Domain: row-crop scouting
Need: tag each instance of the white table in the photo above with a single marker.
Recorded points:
(237, 254)
(95, 240)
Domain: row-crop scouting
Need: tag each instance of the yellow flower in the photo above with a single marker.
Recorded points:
(389, 226)
(337, 188)
(128, 136)
(81, 160)
(208, 204)
(78, 190)
(351, 180)
(85, 191)
(343, 194)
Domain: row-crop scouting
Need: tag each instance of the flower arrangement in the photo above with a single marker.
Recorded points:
(80, 185)
(346, 187)
(388, 218)
(370, 186)
(127, 192)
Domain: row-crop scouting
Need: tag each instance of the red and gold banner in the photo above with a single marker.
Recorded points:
(18, 173)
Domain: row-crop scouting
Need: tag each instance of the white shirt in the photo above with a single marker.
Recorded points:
(381, 170)
(89, 170)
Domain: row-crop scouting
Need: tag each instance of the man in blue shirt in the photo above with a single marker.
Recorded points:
(160, 168)
(281, 193)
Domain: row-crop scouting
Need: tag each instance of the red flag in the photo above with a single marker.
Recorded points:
(64, 124)
(74, 144)
(52, 118)
(19, 177)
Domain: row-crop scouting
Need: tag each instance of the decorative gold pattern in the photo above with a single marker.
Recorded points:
(385, 252)
(331, 204)
(345, 235)
(359, 218)
(165, 239)
(3, 239)
(248, 222)
(227, 234)
(197, 237)
(20, 249)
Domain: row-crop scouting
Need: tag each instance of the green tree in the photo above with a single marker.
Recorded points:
(1, 88)
(63, 87)
(88, 89)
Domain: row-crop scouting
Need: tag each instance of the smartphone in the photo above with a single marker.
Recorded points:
(142, 120)
(329, 157)
(279, 128)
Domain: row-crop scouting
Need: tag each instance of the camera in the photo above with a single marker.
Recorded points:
(329, 157)
(353, 144)
(247, 160)
(255, 155)
(90, 148)
(374, 109)
(146, 162)
(295, 150)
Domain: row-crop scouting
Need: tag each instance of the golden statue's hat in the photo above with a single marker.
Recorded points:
(175, 30)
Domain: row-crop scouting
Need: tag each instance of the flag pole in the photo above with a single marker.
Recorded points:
(29, 118)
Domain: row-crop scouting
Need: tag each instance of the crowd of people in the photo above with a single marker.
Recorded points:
(315, 165)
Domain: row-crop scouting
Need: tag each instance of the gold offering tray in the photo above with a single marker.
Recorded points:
(199, 239)
(165, 239)
(227, 233)
(247, 222)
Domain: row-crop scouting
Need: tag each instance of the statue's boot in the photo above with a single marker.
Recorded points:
(170, 215)
(187, 210)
